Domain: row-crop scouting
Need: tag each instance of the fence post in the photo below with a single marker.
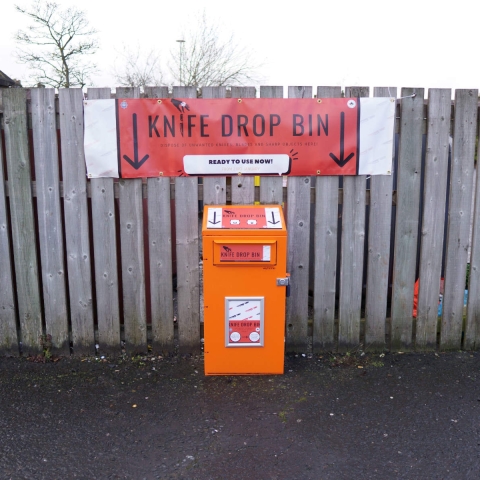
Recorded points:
(160, 253)
(325, 252)
(105, 254)
(132, 254)
(214, 188)
(23, 225)
(407, 216)
(433, 216)
(271, 188)
(50, 225)
(472, 327)
(352, 253)
(76, 220)
(8, 327)
(243, 186)
(460, 202)
(188, 253)
(378, 260)
(298, 222)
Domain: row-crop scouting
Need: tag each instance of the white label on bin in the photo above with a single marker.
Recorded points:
(244, 321)
(266, 253)
(274, 220)
(214, 219)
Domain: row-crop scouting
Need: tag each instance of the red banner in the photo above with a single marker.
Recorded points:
(173, 137)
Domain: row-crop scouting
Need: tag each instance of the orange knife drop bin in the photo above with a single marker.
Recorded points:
(244, 288)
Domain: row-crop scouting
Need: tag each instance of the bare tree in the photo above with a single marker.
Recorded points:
(138, 69)
(204, 59)
(56, 43)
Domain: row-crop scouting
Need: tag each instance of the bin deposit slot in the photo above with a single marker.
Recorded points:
(245, 252)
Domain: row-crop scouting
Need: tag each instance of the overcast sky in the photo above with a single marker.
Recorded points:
(370, 43)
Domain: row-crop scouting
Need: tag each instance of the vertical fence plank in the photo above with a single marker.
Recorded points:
(187, 239)
(298, 226)
(214, 188)
(271, 188)
(325, 252)
(407, 216)
(105, 254)
(21, 214)
(243, 186)
(433, 220)
(76, 220)
(8, 327)
(160, 253)
(352, 248)
(156, 92)
(380, 218)
(461, 184)
(132, 254)
(472, 328)
(50, 225)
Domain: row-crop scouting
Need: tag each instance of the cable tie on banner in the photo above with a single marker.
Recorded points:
(413, 95)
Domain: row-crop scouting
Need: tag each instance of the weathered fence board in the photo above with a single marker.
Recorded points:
(433, 221)
(298, 226)
(133, 265)
(407, 216)
(76, 220)
(187, 240)
(472, 328)
(160, 253)
(155, 92)
(105, 254)
(132, 254)
(325, 252)
(461, 184)
(271, 188)
(8, 327)
(243, 187)
(214, 188)
(351, 260)
(23, 224)
(378, 260)
(50, 225)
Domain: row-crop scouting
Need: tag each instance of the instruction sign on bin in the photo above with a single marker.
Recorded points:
(245, 283)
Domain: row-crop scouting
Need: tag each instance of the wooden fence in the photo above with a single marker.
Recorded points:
(89, 262)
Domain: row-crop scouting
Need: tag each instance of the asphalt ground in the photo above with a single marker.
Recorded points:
(358, 416)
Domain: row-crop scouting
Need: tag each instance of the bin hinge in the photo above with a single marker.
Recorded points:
(283, 282)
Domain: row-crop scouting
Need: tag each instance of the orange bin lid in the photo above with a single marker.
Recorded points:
(242, 220)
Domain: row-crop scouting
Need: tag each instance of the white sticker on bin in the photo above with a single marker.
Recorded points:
(214, 219)
(273, 217)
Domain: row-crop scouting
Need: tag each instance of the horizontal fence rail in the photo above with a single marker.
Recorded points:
(104, 266)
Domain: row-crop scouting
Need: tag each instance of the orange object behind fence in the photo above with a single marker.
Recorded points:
(245, 282)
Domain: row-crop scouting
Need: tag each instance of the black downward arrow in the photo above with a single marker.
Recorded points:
(273, 220)
(214, 219)
(135, 163)
(342, 161)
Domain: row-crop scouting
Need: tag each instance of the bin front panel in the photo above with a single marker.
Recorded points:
(244, 308)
